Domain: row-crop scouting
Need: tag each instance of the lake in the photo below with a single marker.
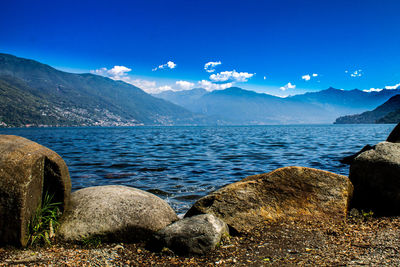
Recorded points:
(182, 164)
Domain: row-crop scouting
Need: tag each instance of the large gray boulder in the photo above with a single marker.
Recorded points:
(115, 213)
(286, 193)
(27, 170)
(375, 175)
(394, 137)
(195, 235)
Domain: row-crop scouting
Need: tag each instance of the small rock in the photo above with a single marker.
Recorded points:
(118, 247)
(195, 235)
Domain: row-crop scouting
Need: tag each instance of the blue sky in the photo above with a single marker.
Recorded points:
(267, 46)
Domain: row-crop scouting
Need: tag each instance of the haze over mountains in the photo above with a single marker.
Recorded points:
(238, 106)
(35, 94)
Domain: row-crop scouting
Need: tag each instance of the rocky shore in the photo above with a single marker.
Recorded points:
(357, 242)
(293, 215)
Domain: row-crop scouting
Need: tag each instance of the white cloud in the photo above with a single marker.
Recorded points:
(151, 87)
(169, 64)
(393, 87)
(102, 71)
(308, 77)
(119, 71)
(209, 86)
(185, 85)
(210, 66)
(288, 86)
(233, 76)
(145, 85)
(356, 73)
(165, 88)
(265, 77)
(388, 87)
(372, 90)
(116, 73)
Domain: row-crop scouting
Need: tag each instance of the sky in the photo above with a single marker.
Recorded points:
(281, 47)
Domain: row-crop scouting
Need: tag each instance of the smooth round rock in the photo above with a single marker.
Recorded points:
(116, 213)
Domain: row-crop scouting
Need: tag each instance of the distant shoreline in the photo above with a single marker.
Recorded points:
(244, 125)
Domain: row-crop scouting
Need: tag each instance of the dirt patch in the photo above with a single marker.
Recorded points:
(355, 242)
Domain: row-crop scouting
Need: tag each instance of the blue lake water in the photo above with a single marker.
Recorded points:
(182, 164)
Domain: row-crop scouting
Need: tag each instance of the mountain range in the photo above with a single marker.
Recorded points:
(32, 93)
(388, 112)
(237, 106)
(35, 94)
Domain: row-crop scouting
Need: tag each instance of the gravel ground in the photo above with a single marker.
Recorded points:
(358, 241)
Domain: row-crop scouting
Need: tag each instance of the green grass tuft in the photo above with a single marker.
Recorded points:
(367, 215)
(42, 227)
(92, 242)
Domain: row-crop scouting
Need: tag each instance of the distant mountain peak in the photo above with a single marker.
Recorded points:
(237, 91)
(332, 89)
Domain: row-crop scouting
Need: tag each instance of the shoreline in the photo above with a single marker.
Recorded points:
(189, 125)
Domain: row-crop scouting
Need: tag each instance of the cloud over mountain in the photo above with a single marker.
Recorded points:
(116, 73)
(185, 85)
(210, 86)
(287, 86)
(232, 76)
(388, 87)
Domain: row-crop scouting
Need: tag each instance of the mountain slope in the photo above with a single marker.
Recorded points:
(19, 107)
(85, 99)
(392, 117)
(388, 112)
